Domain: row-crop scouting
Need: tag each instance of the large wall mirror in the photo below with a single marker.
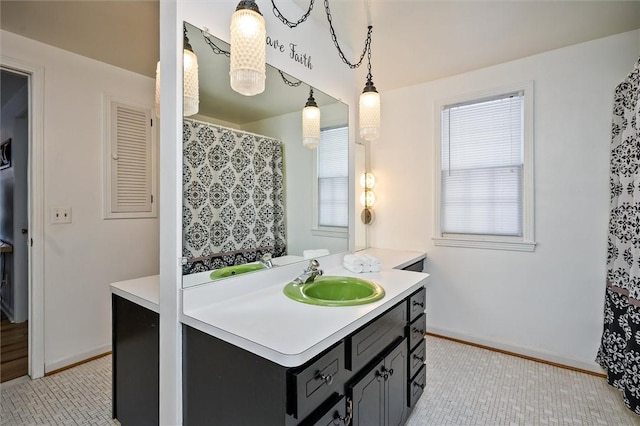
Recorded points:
(253, 196)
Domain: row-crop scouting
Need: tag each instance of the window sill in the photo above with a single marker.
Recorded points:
(527, 246)
(329, 232)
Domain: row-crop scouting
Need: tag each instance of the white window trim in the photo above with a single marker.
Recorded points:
(317, 230)
(106, 163)
(526, 242)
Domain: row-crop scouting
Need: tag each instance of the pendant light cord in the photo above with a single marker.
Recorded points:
(287, 22)
(367, 43)
(213, 46)
(289, 82)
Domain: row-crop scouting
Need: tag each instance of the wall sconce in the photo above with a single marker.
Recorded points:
(191, 96)
(311, 123)
(367, 197)
(248, 45)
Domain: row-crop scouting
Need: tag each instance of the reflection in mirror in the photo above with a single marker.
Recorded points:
(253, 196)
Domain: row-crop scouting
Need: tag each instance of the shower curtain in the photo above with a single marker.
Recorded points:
(233, 197)
(619, 352)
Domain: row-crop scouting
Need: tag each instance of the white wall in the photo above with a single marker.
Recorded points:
(548, 303)
(83, 257)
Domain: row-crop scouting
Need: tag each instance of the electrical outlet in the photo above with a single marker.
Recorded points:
(61, 215)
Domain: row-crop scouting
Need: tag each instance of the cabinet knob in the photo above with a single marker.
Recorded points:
(327, 378)
(388, 372)
(419, 358)
(418, 304)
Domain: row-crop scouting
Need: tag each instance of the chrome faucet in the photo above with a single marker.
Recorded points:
(309, 274)
(266, 261)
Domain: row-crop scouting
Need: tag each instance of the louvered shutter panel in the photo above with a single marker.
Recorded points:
(130, 159)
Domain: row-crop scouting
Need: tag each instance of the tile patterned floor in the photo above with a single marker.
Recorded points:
(465, 386)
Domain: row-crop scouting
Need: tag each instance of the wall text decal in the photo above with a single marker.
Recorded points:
(293, 52)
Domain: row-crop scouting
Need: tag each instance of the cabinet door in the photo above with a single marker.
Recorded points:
(395, 365)
(135, 363)
(367, 395)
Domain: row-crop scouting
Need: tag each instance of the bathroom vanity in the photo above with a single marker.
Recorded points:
(253, 356)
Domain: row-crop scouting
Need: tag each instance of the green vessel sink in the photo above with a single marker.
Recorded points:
(230, 271)
(335, 291)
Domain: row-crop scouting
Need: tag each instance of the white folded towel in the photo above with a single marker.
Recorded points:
(312, 254)
(371, 261)
(353, 263)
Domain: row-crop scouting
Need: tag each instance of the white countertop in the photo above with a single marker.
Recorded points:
(251, 311)
(144, 291)
(257, 316)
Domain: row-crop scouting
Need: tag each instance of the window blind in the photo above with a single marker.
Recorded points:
(482, 166)
(333, 177)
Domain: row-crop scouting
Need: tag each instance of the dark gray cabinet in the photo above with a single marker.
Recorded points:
(365, 378)
(379, 397)
(135, 371)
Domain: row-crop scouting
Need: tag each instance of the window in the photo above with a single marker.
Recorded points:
(129, 160)
(484, 186)
(332, 184)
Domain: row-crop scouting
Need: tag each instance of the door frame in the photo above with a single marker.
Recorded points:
(35, 177)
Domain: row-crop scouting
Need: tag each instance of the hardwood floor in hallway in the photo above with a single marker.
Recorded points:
(14, 350)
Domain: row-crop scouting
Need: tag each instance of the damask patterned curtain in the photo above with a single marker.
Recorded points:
(233, 197)
(619, 352)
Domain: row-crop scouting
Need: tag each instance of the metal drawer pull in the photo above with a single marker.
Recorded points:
(416, 330)
(420, 385)
(346, 420)
(327, 378)
(419, 358)
(418, 304)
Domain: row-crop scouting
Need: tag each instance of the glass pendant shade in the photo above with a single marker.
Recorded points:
(369, 114)
(367, 199)
(191, 90)
(311, 123)
(191, 97)
(248, 45)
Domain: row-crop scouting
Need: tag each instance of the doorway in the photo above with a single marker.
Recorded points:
(14, 222)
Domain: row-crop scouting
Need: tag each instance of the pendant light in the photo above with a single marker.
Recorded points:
(190, 75)
(191, 96)
(369, 107)
(248, 45)
(311, 123)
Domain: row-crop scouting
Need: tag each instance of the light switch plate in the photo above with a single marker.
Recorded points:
(61, 215)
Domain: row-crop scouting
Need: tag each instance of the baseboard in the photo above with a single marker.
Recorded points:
(63, 364)
(590, 368)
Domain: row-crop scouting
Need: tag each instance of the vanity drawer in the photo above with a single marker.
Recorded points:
(369, 341)
(416, 304)
(416, 358)
(313, 383)
(328, 416)
(417, 330)
(416, 387)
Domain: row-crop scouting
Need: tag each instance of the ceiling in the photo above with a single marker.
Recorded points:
(413, 41)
